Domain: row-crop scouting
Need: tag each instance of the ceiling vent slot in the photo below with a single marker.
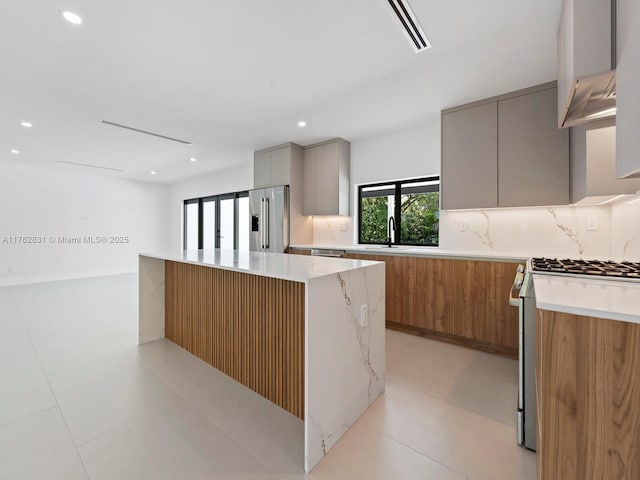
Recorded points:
(410, 25)
(89, 166)
(145, 132)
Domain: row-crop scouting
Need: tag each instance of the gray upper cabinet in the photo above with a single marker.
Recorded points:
(326, 178)
(272, 167)
(470, 158)
(628, 90)
(505, 151)
(533, 154)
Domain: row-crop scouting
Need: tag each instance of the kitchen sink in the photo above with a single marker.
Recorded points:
(384, 247)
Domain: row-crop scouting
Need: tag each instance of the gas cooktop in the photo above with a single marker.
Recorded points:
(599, 268)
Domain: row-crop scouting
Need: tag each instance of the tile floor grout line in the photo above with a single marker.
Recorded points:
(413, 449)
(450, 402)
(12, 422)
(64, 419)
(206, 417)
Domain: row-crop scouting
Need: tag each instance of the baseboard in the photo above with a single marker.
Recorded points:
(56, 277)
(456, 340)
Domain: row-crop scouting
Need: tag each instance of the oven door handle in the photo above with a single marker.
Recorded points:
(514, 297)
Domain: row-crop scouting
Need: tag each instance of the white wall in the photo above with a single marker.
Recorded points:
(414, 152)
(50, 203)
(228, 181)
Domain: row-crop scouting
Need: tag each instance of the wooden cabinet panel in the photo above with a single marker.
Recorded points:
(458, 299)
(588, 380)
(249, 327)
(470, 158)
(533, 154)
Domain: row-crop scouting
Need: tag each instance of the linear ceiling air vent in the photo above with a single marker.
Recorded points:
(89, 166)
(410, 25)
(133, 129)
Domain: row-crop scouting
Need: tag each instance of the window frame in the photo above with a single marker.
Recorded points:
(397, 211)
(216, 198)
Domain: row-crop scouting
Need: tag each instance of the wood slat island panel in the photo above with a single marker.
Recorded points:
(588, 394)
(250, 327)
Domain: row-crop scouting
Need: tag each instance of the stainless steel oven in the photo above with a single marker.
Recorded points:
(523, 297)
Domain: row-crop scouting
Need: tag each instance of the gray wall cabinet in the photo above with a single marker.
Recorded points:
(533, 153)
(272, 167)
(470, 158)
(505, 151)
(326, 178)
(628, 89)
(282, 165)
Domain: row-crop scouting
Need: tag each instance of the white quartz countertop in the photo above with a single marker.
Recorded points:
(420, 252)
(296, 268)
(613, 300)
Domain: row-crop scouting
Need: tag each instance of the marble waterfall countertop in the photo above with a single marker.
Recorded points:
(608, 299)
(296, 268)
(408, 251)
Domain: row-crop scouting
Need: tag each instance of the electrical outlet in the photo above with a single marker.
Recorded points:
(592, 223)
(364, 315)
(10, 269)
(463, 225)
(343, 227)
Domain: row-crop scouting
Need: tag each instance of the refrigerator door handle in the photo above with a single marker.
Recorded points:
(266, 223)
(262, 223)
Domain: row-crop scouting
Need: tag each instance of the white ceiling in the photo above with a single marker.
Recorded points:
(235, 76)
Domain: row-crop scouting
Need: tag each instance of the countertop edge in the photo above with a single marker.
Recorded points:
(597, 298)
(588, 312)
(450, 255)
(281, 276)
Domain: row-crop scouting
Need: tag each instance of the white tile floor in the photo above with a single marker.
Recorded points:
(79, 399)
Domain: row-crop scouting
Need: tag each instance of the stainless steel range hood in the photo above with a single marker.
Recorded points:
(586, 62)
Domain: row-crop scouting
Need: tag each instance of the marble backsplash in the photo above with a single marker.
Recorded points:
(625, 241)
(540, 231)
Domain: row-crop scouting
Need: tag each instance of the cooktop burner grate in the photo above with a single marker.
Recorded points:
(601, 268)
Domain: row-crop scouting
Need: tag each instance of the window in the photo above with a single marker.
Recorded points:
(414, 206)
(220, 221)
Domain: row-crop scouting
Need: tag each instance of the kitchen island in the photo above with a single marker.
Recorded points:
(307, 333)
(587, 378)
(455, 297)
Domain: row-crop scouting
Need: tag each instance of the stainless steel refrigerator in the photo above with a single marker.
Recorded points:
(269, 217)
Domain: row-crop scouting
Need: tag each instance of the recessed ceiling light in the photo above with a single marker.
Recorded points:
(26, 124)
(153, 172)
(193, 159)
(15, 151)
(302, 124)
(71, 17)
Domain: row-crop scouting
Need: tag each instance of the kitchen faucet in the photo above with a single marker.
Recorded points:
(392, 223)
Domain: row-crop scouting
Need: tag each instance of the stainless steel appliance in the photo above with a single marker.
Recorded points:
(269, 217)
(323, 252)
(523, 297)
(607, 269)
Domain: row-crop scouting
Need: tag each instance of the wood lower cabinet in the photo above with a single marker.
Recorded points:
(588, 395)
(460, 301)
